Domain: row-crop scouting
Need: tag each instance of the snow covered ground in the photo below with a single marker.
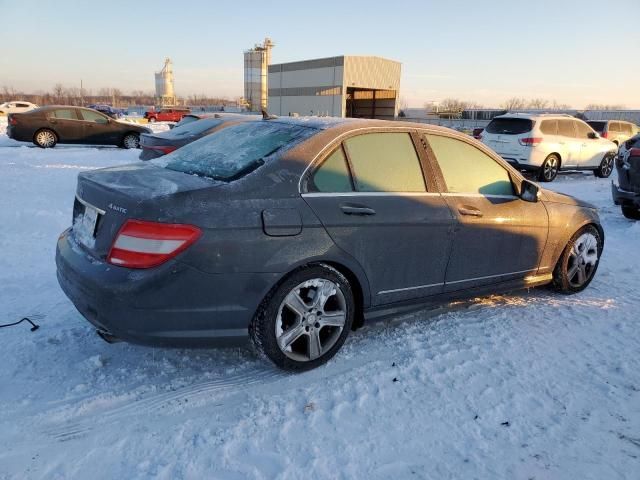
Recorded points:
(534, 385)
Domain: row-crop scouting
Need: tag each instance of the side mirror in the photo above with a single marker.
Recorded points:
(592, 135)
(529, 191)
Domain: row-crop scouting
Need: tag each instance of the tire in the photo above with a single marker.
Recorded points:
(549, 169)
(579, 261)
(631, 212)
(152, 120)
(606, 166)
(289, 326)
(131, 140)
(45, 138)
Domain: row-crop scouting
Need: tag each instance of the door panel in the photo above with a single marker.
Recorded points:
(99, 129)
(402, 242)
(498, 236)
(497, 239)
(65, 123)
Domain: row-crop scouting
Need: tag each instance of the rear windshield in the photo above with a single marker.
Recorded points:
(598, 126)
(235, 151)
(192, 128)
(509, 126)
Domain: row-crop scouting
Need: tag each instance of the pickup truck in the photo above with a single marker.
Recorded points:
(170, 114)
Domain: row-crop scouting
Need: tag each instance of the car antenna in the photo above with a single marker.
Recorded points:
(266, 116)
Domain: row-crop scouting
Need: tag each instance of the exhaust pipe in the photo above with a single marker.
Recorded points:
(107, 337)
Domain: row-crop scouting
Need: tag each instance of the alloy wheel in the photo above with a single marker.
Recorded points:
(131, 141)
(607, 166)
(550, 168)
(310, 319)
(45, 139)
(583, 260)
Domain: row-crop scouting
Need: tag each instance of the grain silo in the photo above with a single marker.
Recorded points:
(256, 65)
(165, 95)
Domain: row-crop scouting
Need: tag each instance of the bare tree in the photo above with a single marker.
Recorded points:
(538, 103)
(605, 106)
(514, 103)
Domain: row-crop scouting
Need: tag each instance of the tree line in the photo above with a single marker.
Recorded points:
(65, 95)
(455, 105)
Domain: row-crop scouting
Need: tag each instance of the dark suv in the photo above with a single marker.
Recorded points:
(627, 192)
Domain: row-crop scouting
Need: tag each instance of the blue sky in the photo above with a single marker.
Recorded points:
(575, 52)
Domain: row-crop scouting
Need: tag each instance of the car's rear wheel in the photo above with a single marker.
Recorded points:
(152, 120)
(305, 320)
(579, 261)
(45, 138)
(631, 212)
(606, 166)
(131, 140)
(549, 168)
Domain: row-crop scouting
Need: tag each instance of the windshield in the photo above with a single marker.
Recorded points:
(191, 128)
(235, 151)
(509, 126)
(598, 126)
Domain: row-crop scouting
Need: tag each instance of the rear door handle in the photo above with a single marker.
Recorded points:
(350, 209)
(474, 212)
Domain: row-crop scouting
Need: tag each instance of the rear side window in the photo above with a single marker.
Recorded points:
(65, 113)
(598, 126)
(333, 175)
(566, 128)
(549, 127)
(614, 127)
(509, 126)
(233, 152)
(467, 169)
(385, 162)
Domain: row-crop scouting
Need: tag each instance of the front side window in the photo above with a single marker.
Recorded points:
(333, 175)
(467, 169)
(385, 162)
(95, 117)
(235, 151)
(583, 130)
(65, 114)
(626, 128)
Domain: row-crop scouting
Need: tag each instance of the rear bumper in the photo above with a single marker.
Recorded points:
(173, 305)
(624, 197)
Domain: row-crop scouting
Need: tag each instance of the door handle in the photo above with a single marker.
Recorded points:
(474, 212)
(348, 209)
(53, 122)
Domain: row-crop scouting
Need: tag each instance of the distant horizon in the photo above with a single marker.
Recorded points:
(485, 54)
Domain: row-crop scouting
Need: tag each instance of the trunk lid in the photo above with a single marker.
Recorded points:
(106, 198)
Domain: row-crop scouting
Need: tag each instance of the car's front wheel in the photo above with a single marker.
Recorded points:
(579, 261)
(631, 212)
(305, 320)
(131, 140)
(606, 166)
(549, 168)
(45, 138)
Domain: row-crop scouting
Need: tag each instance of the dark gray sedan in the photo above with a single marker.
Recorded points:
(292, 232)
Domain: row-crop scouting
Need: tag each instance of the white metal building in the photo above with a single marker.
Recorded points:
(165, 94)
(256, 61)
(345, 86)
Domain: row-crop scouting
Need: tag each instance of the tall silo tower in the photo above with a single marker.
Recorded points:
(256, 73)
(165, 95)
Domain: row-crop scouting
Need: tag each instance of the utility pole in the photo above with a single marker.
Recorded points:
(81, 94)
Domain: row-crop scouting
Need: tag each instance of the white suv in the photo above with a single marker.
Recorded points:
(16, 107)
(546, 143)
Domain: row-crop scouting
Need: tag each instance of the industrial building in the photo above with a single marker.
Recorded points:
(344, 86)
(165, 94)
(256, 62)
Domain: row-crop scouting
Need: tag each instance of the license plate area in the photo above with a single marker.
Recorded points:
(85, 222)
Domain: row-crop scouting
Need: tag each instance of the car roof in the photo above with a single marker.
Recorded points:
(533, 116)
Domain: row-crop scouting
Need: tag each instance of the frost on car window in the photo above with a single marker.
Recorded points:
(192, 128)
(235, 151)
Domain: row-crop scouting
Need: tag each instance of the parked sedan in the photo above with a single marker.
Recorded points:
(292, 232)
(157, 144)
(48, 126)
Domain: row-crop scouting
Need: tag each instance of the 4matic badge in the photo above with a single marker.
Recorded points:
(117, 208)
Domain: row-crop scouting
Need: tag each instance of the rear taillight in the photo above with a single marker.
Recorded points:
(530, 141)
(634, 152)
(12, 120)
(164, 150)
(141, 244)
(604, 134)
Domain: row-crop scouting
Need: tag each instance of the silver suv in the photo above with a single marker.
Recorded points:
(547, 143)
(617, 131)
